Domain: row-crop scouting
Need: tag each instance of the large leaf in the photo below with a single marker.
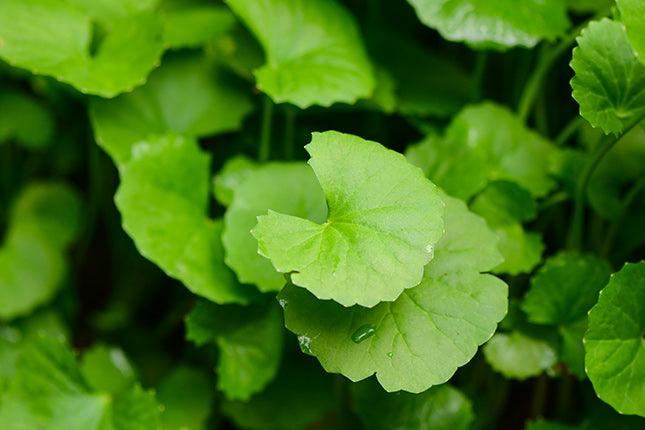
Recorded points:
(484, 143)
(565, 288)
(420, 339)
(187, 95)
(384, 220)
(439, 408)
(102, 48)
(45, 219)
(49, 391)
(314, 51)
(609, 79)
(288, 188)
(163, 199)
(614, 345)
(633, 16)
(499, 24)
(250, 343)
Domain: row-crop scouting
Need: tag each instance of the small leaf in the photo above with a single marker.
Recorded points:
(384, 220)
(191, 25)
(289, 188)
(24, 119)
(572, 350)
(249, 340)
(439, 408)
(614, 343)
(231, 177)
(519, 356)
(163, 199)
(565, 288)
(498, 25)
(314, 51)
(187, 397)
(609, 79)
(429, 331)
(632, 14)
(548, 425)
(504, 203)
(522, 250)
(187, 95)
(107, 369)
(56, 38)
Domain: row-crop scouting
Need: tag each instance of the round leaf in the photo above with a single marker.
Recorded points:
(519, 356)
(633, 16)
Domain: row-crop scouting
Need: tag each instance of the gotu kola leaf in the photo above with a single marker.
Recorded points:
(315, 55)
(499, 24)
(384, 220)
(186, 395)
(163, 199)
(615, 341)
(609, 79)
(249, 340)
(519, 356)
(632, 14)
(420, 339)
(25, 120)
(101, 48)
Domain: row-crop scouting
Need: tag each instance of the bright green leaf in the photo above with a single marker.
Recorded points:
(163, 199)
(499, 24)
(565, 288)
(632, 14)
(288, 188)
(522, 250)
(420, 339)
(231, 177)
(102, 48)
(384, 220)
(249, 340)
(519, 356)
(107, 369)
(187, 95)
(314, 51)
(615, 341)
(609, 79)
(191, 24)
(439, 408)
(187, 396)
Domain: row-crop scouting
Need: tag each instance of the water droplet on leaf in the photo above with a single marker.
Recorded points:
(363, 332)
(305, 344)
(283, 303)
(390, 354)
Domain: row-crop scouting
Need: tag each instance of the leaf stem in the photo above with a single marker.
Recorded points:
(289, 126)
(265, 131)
(603, 147)
(479, 75)
(568, 130)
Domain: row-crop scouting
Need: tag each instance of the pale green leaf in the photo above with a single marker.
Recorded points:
(187, 396)
(288, 188)
(249, 340)
(632, 14)
(383, 222)
(163, 199)
(231, 177)
(519, 356)
(187, 95)
(420, 339)
(565, 288)
(498, 24)
(609, 80)
(315, 55)
(439, 408)
(522, 250)
(615, 341)
(102, 48)
(189, 24)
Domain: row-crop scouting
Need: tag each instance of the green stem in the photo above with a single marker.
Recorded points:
(539, 396)
(265, 131)
(289, 126)
(605, 145)
(566, 133)
(629, 199)
(479, 75)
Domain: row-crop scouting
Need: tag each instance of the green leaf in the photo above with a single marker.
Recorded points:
(519, 356)
(541, 424)
(439, 408)
(187, 95)
(614, 343)
(420, 339)
(314, 51)
(24, 119)
(45, 219)
(504, 203)
(609, 79)
(572, 351)
(484, 143)
(384, 220)
(586, 6)
(522, 250)
(187, 396)
(102, 48)
(189, 24)
(163, 199)
(498, 25)
(565, 288)
(231, 177)
(107, 369)
(49, 391)
(300, 396)
(632, 14)
(289, 188)
(249, 340)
